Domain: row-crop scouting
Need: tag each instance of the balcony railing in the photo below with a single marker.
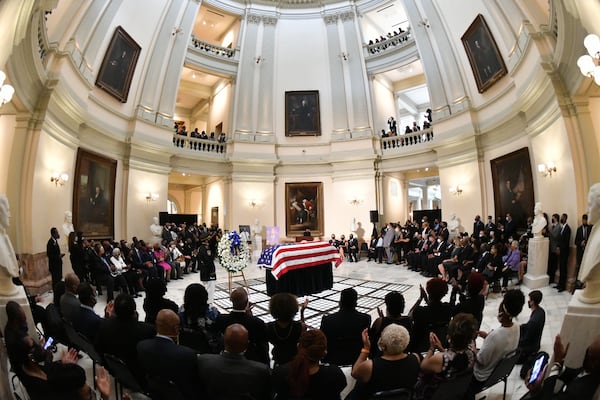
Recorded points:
(199, 145)
(406, 140)
(213, 48)
(401, 39)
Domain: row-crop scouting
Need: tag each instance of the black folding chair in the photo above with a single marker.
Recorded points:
(122, 374)
(80, 343)
(501, 372)
(455, 388)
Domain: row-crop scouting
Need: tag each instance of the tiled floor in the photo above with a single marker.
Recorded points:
(554, 303)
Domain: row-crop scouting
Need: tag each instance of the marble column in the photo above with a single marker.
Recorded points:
(537, 263)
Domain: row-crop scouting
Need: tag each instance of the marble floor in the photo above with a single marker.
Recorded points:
(554, 303)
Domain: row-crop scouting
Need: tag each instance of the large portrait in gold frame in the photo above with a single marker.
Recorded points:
(304, 208)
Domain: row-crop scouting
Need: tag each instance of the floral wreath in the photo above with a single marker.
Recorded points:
(233, 252)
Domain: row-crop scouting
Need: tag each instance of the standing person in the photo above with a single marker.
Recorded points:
(388, 238)
(581, 236)
(478, 226)
(554, 249)
(206, 265)
(54, 256)
(379, 249)
(563, 254)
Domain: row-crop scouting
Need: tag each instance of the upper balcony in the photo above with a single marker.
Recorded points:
(391, 53)
(212, 58)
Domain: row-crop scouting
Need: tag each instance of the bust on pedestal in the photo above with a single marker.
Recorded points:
(537, 257)
(582, 320)
(453, 225)
(156, 230)
(256, 238)
(67, 226)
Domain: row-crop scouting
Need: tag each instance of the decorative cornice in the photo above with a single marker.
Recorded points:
(253, 19)
(347, 16)
(269, 20)
(330, 19)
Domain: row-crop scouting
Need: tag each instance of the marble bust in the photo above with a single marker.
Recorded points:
(155, 228)
(9, 267)
(590, 264)
(539, 222)
(257, 235)
(453, 224)
(67, 226)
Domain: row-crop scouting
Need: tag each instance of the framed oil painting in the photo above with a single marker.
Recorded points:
(302, 116)
(304, 208)
(485, 58)
(513, 186)
(94, 195)
(118, 65)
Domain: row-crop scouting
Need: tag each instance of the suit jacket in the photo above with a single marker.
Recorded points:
(120, 339)
(565, 239)
(388, 238)
(478, 227)
(484, 260)
(161, 358)
(343, 330)
(231, 376)
(258, 346)
(87, 323)
(53, 253)
(510, 229)
(579, 237)
(576, 388)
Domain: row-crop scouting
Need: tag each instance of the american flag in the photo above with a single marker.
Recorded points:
(284, 258)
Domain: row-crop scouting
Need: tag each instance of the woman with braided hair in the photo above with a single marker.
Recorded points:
(305, 376)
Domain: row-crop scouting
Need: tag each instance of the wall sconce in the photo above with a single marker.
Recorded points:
(151, 197)
(457, 191)
(6, 91)
(355, 201)
(589, 64)
(547, 169)
(255, 203)
(58, 178)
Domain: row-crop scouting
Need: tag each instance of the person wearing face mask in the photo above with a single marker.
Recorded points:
(499, 342)
(164, 360)
(54, 256)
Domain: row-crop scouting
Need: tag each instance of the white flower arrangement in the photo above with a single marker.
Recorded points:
(233, 252)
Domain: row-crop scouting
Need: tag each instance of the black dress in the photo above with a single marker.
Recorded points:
(284, 341)
(388, 375)
(326, 384)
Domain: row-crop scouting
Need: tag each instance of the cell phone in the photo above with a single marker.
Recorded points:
(48, 343)
(538, 366)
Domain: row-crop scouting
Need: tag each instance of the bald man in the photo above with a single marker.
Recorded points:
(69, 302)
(258, 347)
(164, 360)
(579, 383)
(230, 375)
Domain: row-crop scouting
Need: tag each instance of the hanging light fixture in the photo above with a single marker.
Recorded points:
(6, 91)
(589, 64)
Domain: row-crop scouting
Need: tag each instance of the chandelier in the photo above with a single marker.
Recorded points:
(6, 91)
(589, 65)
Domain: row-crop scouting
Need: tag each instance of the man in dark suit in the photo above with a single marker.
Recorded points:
(343, 330)
(578, 383)
(510, 228)
(477, 226)
(564, 244)
(54, 257)
(258, 346)
(163, 360)
(581, 237)
(88, 321)
(352, 248)
(230, 375)
(120, 334)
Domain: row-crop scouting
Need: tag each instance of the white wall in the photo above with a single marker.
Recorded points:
(7, 134)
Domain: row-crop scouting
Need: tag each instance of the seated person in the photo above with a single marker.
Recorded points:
(155, 300)
(434, 317)
(372, 252)
(305, 376)
(511, 263)
(446, 364)
(394, 307)
(474, 301)
(531, 331)
(395, 369)
(343, 330)
(284, 332)
(493, 270)
(499, 342)
(577, 383)
(198, 321)
(343, 246)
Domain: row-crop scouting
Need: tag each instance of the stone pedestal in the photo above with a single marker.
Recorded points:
(20, 298)
(36, 276)
(580, 327)
(537, 263)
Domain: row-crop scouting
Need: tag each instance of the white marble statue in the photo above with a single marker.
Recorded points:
(9, 267)
(67, 226)
(156, 229)
(257, 236)
(539, 221)
(590, 264)
(454, 223)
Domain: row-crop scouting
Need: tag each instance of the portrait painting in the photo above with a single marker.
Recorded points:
(302, 117)
(304, 202)
(513, 186)
(485, 58)
(273, 235)
(94, 195)
(118, 65)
